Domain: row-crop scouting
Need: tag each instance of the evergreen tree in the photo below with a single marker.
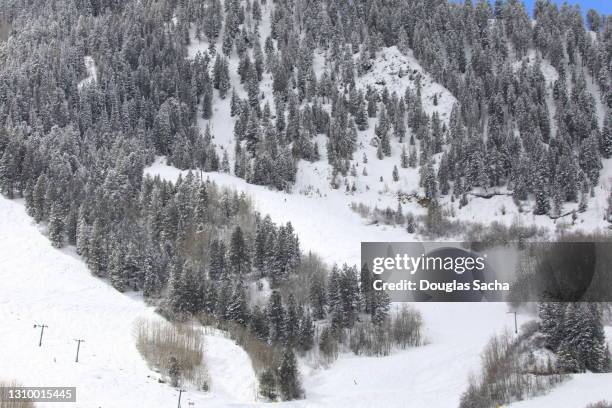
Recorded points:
(207, 103)
(276, 317)
(239, 258)
(404, 163)
(217, 265)
(395, 174)
(96, 250)
(174, 371)
(115, 268)
(225, 165)
(542, 202)
(410, 223)
(288, 380)
(317, 297)
(237, 309)
(306, 333)
(56, 227)
(366, 288)
(428, 181)
(267, 385)
(221, 79)
(380, 307)
(291, 325)
(258, 324)
(209, 304)
(348, 293)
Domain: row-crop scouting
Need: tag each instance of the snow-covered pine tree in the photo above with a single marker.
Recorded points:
(292, 322)
(395, 173)
(404, 158)
(239, 258)
(207, 102)
(381, 303)
(258, 324)
(267, 385)
(56, 226)
(288, 377)
(366, 289)
(237, 309)
(306, 333)
(276, 316)
(96, 250)
(217, 263)
(317, 297)
(348, 291)
(115, 267)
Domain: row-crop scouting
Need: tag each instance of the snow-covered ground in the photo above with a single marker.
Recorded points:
(43, 285)
(40, 284)
(325, 226)
(92, 72)
(398, 72)
(580, 391)
(430, 376)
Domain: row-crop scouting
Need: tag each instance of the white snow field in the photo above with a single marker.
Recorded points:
(92, 72)
(432, 376)
(41, 284)
(582, 390)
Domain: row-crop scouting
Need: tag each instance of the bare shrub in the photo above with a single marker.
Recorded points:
(406, 328)
(370, 340)
(401, 330)
(12, 404)
(438, 222)
(600, 404)
(497, 233)
(504, 378)
(311, 267)
(328, 347)
(387, 216)
(362, 209)
(175, 349)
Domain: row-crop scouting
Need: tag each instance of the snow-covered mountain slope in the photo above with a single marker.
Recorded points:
(582, 390)
(376, 188)
(326, 226)
(431, 376)
(41, 284)
(45, 285)
(398, 71)
(434, 375)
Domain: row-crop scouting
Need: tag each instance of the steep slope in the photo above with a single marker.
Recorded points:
(434, 375)
(582, 390)
(43, 285)
(372, 179)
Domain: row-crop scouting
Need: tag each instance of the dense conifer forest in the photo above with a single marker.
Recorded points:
(76, 136)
